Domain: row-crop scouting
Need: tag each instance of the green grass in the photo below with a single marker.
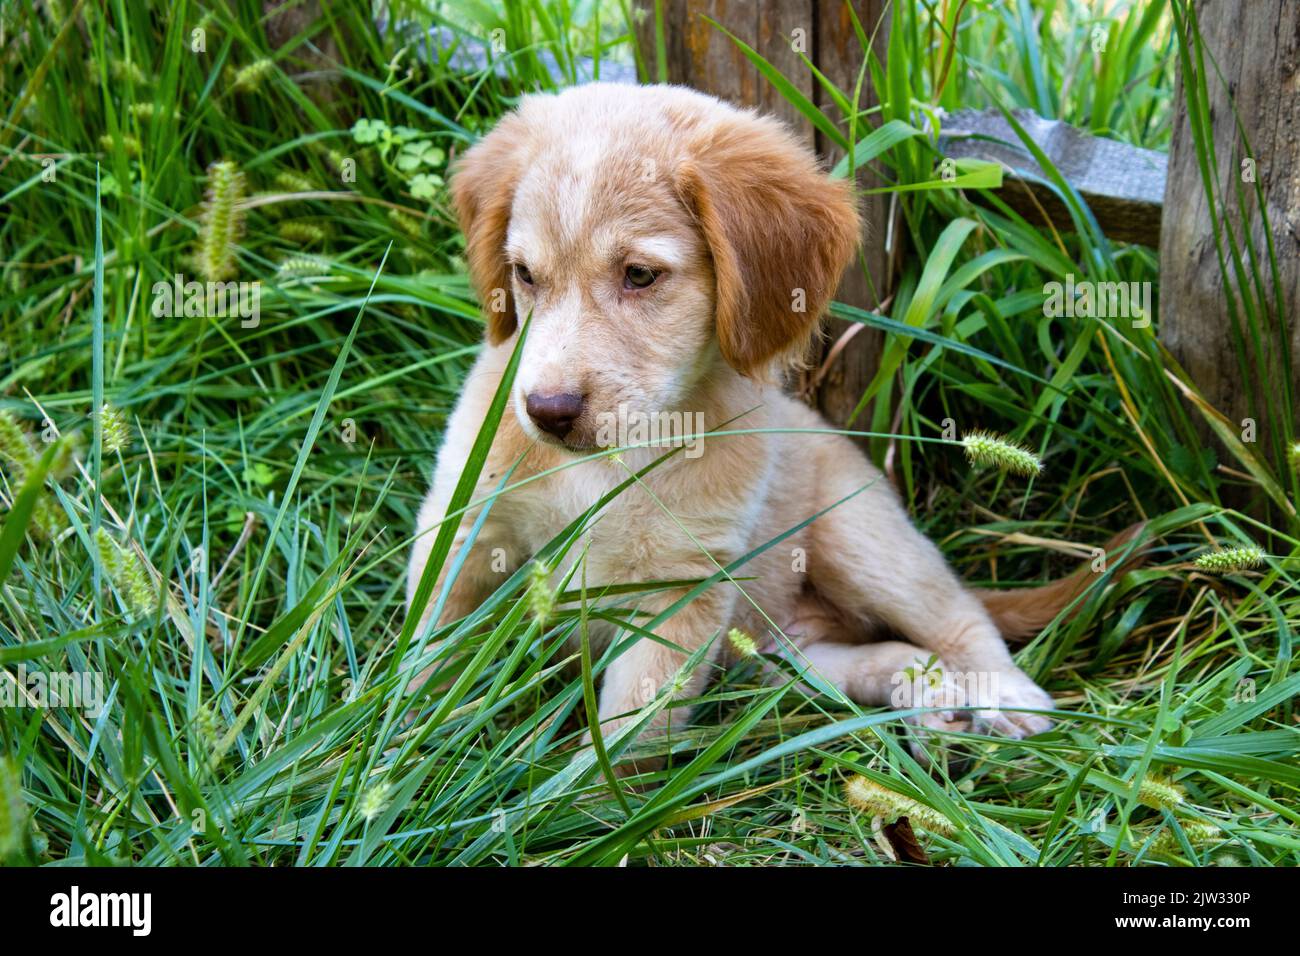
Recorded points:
(245, 610)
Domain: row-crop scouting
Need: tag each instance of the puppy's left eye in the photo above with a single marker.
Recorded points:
(639, 277)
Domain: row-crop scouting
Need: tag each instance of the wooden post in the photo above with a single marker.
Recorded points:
(1256, 48)
(701, 56)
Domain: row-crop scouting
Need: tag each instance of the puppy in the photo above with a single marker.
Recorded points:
(675, 254)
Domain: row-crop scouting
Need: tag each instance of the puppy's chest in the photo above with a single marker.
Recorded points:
(644, 529)
(549, 503)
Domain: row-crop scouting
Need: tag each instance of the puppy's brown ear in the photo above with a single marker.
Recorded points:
(482, 191)
(780, 231)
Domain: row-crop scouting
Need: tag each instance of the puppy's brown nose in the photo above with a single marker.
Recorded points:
(554, 413)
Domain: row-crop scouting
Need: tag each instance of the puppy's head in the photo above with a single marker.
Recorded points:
(653, 233)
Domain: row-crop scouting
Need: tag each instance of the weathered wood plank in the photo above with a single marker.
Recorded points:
(1123, 185)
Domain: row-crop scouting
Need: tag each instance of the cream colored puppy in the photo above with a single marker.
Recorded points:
(674, 252)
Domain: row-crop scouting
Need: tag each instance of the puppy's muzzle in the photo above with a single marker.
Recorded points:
(555, 414)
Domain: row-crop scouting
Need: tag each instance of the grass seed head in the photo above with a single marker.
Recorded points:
(117, 433)
(297, 266)
(207, 727)
(145, 112)
(987, 450)
(742, 642)
(14, 448)
(292, 181)
(221, 223)
(1230, 559)
(373, 800)
(47, 519)
(879, 801)
(303, 233)
(406, 224)
(541, 598)
(131, 144)
(19, 458)
(1159, 794)
(128, 575)
(250, 77)
(1198, 833)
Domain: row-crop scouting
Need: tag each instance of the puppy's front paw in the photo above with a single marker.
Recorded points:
(992, 694)
(935, 689)
(1006, 689)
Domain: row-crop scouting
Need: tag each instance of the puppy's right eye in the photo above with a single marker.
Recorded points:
(522, 274)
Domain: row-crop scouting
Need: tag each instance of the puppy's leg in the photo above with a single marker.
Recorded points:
(490, 561)
(892, 674)
(869, 561)
(496, 553)
(635, 678)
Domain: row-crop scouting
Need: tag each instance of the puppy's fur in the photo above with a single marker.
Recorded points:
(748, 239)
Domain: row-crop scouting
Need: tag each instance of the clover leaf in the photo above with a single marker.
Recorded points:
(368, 130)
